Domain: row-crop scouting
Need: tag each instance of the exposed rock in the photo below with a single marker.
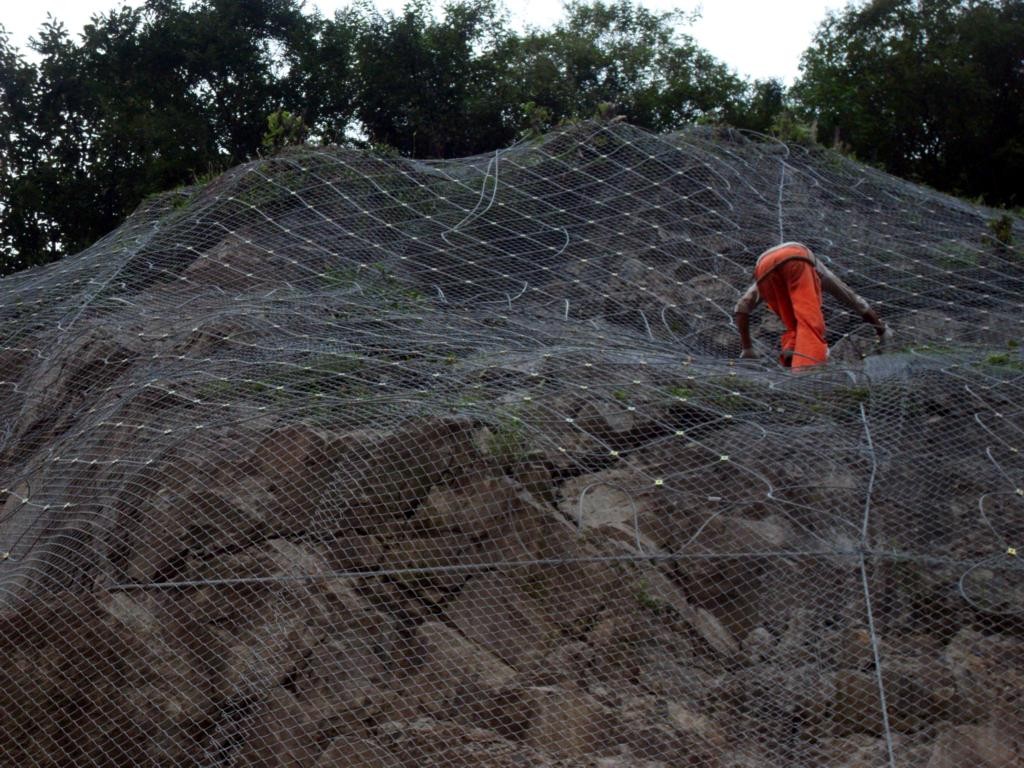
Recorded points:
(351, 669)
(424, 452)
(989, 675)
(234, 260)
(449, 659)
(479, 482)
(73, 670)
(356, 753)
(859, 751)
(758, 644)
(852, 648)
(607, 420)
(912, 703)
(494, 613)
(536, 479)
(600, 499)
(985, 746)
(439, 744)
(265, 654)
(857, 707)
(351, 551)
(572, 598)
(716, 635)
(568, 724)
(698, 725)
(568, 664)
(475, 508)
(275, 732)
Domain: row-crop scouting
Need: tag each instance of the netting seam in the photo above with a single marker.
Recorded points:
(857, 553)
(867, 592)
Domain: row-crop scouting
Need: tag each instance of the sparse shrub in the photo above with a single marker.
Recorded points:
(283, 130)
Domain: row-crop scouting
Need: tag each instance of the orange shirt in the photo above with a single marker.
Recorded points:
(829, 282)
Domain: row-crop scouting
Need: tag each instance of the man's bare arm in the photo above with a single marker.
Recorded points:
(750, 299)
(846, 296)
(743, 326)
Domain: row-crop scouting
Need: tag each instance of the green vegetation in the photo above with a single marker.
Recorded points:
(957, 256)
(508, 441)
(1005, 361)
(147, 99)
(1000, 234)
(679, 392)
(378, 282)
(858, 394)
(283, 129)
(328, 374)
(153, 98)
(842, 403)
(649, 602)
(921, 89)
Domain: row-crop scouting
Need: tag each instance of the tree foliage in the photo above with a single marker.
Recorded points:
(146, 99)
(932, 90)
(21, 235)
(622, 54)
(433, 87)
(149, 98)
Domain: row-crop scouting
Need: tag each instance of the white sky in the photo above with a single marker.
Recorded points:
(756, 38)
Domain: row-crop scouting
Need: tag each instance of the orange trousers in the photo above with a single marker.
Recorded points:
(791, 288)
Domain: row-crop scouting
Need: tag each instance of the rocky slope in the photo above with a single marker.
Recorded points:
(345, 460)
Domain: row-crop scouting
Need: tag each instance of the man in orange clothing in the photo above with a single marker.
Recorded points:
(789, 279)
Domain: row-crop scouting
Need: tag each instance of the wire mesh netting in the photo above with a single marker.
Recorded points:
(351, 460)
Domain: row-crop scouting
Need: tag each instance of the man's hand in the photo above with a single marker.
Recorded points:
(883, 330)
(748, 353)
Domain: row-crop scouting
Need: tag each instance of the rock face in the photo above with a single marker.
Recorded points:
(353, 461)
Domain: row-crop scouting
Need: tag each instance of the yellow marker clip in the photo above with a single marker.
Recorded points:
(1011, 551)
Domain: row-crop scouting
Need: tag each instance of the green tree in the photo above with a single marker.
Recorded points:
(434, 87)
(52, 188)
(321, 77)
(108, 125)
(764, 106)
(623, 54)
(465, 83)
(283, 129)
(21, 233)
(932, 90)
(235, 56)
(148, 99)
